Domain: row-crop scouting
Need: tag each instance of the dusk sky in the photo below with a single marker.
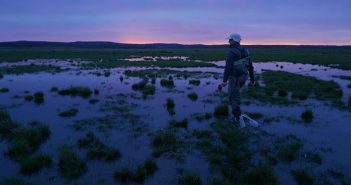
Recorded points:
(326, 22)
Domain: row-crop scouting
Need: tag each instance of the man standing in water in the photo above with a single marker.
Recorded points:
(237, 68)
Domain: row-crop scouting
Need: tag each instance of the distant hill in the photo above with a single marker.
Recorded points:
(101, 44)
(98, 44)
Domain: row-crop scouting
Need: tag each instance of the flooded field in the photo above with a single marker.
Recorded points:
(76, 122)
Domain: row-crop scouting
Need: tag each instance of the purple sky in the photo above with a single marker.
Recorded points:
(178, 21)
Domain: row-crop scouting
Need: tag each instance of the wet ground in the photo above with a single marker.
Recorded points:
(125, 119)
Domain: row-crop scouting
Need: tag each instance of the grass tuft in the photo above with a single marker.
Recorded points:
(179, 124)
(307, 116)
(221, 111)
(302, 177)
(97, 149)
(193, 96)
(34, 164)
(71, 167)
(167, 83)
(69, 113)
(74, 91)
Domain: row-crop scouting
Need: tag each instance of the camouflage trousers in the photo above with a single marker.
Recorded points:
(234, 87)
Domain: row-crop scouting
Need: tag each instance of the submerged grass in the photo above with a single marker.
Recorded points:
(97, 149)
(302, 177)
(307, 116)
(141, 173)
(193, 96)
(70, 165)
(189, 178)
(221, 111)
(179, 124)
(170, 106)
(26, 140)
(302, 85)
(84, 92)
(69, 113)
(34, 164)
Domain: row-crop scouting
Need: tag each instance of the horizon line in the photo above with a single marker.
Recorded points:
(204, 44)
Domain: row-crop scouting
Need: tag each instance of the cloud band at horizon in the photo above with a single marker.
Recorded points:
(320, 22)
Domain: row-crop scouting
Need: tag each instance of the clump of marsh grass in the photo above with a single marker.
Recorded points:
(164, 141)
(69, 113)
(144, 87)
(179, 124)
(193, 96)
(167, 83)
(170, 106)
(34, 164)
(4, 90)
(74, 91)
(221, 111)
(97, 149)
(26, 140)
(195, 82)
(28, 98)
(54, 89)
(141, 172)
(307, 116)
(290, 151)
(7, 126)
(39, 97)
(93, 101)
(302, 177)
(189, 178)
(282, 93)
(70, 165)
(261, 174)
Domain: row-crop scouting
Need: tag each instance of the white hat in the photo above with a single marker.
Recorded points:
(236, 37)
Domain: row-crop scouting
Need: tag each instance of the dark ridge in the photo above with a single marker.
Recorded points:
(105, 44)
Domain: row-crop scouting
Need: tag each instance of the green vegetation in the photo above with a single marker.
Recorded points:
(69, 113)
(307, 116)
(299, 84)
(290, 151)
(302, 177)
(314, 158)
(71, 167)
(261, 175)
(201, 117)
(302, 54)
(221, 111)
(167, 83)
(35, 163)
(282, 93)
(179, 124)
(26, 140)
(144, 88)
(4, 90)
(189, 178)
(193, 96)
(164, 141)
(7, 126)
(170, 106)
(97, 149)
(39, 97)
(195, 82)
(54, 89)
(141, 172)
(28, 98)
(93, 101)
(153, 73)
(74, 91)
(343, 77)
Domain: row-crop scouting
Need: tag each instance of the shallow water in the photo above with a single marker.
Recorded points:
(328, 132)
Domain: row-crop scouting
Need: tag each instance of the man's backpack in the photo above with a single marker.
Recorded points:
(241, 67)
